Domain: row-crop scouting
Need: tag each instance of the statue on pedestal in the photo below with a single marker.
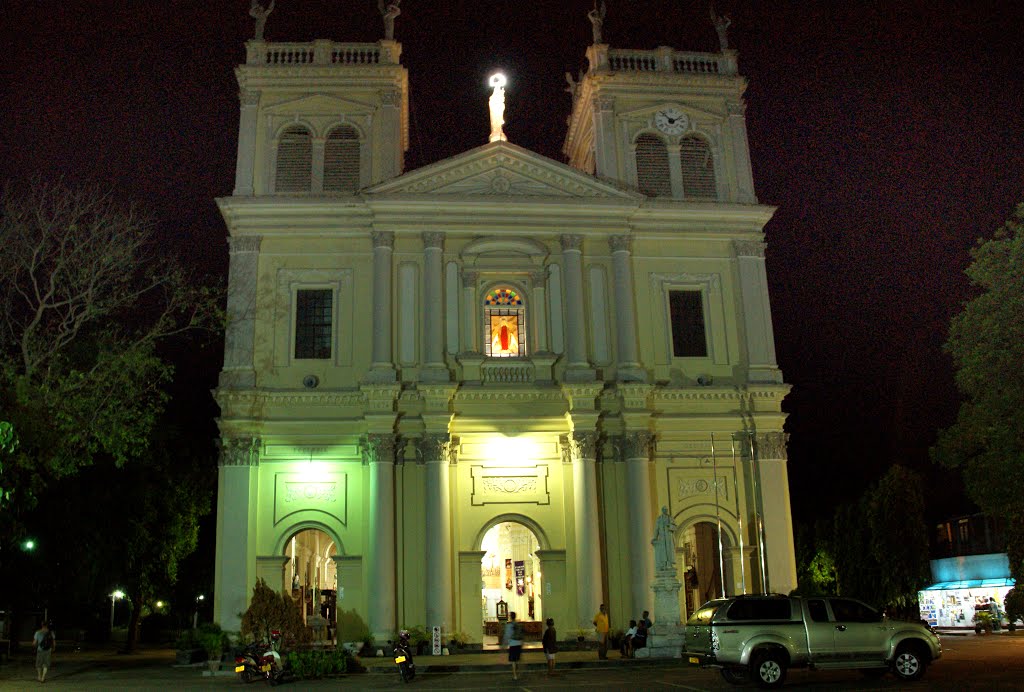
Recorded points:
(497, 108)
(259, 13)
(389, 11)
(722, 23)
(664, 542)
(596, 17)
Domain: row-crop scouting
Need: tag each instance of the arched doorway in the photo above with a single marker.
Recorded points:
(701, 566)
(311, 577)
(510, 572)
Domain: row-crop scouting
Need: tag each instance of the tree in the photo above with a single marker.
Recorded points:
(986, 341)
(268, 611)
(86, 294)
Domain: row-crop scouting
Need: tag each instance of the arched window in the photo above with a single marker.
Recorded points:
(698, 168)
(652, 175)
(341, 160)
(294, 160)
(504, 324)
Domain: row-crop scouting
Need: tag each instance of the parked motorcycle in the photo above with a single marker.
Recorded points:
(403, 657)
(260, 661)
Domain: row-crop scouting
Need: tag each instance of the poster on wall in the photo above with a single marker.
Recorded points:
(508, 573)
(520, 577)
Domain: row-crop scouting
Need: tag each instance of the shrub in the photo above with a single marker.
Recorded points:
(269, 610)
(352, 627)
(212, 640)
(317, 663)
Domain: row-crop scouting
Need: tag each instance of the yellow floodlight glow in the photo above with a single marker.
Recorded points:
(512, 451)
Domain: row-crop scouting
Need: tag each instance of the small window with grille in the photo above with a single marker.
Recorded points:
(504, 324)
(313, 323)
(686, 313)
(698, 169)
(652, 172)
(294, 161)
(341, 160)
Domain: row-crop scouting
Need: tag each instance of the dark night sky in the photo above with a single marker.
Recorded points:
(889, 135)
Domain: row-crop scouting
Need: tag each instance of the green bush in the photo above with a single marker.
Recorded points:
(213, 640)
(311, 664)
(1013, 604)
(352, 627)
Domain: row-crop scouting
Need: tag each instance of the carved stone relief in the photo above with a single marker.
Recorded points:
(240, 451)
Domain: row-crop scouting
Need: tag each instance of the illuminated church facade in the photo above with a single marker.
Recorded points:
(473, 386)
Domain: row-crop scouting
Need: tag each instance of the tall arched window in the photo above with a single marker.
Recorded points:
(294, 160)
(698, 168)
(652, 175)
(341, 160)
(504, 323)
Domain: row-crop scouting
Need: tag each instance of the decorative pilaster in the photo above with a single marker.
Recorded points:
(249, 102)
(470, 313)
(629, 369)
(437, 451)
(379, 452)
(237, 478)
(434, 369)
(675, 170)
(382, 368)
(392, 162)
(604, 136)
(577, 367)
(240, 331)
(538, 309)
(636, 451)
(777, 518)
(581, 449)
(757, 316)
(741, 152)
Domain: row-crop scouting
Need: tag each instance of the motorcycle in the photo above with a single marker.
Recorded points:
(403, 657)
(260, 661)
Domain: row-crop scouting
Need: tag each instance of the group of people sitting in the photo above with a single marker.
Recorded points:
(636, 636)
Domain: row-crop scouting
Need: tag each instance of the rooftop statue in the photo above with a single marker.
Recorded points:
(389, 11)
(573, 85)
(259, 13)
(722, 23)
(497, 106)
(664, 542)
(596, 17)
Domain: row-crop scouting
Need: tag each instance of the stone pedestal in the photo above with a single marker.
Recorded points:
(666, 637)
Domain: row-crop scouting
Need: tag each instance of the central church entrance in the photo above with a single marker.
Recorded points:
(511, 576)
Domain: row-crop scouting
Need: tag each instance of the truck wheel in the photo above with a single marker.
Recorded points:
(908, 664)
(736, 676)
(768, 669)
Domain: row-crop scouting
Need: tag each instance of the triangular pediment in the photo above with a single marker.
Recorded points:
(501, 169)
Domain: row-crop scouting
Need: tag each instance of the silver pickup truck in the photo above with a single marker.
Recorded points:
(761, 637)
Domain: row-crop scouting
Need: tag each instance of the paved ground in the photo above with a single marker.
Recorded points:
(992, 662)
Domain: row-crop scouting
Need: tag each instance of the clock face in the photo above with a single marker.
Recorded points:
(671, 121)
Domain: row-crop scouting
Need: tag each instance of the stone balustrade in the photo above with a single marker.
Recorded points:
(664, 59)
(321, 52)
(507, 371)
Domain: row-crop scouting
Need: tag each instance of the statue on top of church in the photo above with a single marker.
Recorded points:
(389, 10)
(721, 23)
(259, 13)
(572, 85)
(596, 17)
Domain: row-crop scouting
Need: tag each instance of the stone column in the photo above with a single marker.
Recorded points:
(237, 490)
(434, 370)
(380, 452)
(637, 455)
(382, 369)
(538, 309)
(604, 137)
(436, 451)
(240, 332)
(741, 153)
(581, 449)
(249, 105)
(780, 552)
(391, 163)
(470, 313)
(577, 367)
(629, 369)
(757, 316)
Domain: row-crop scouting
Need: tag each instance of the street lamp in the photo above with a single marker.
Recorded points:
(28, 545)
(195, 616)
(116, 596)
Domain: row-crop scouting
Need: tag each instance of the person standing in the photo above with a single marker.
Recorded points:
(44, 642)
(514, 639)
(601, 625)
(550, 642)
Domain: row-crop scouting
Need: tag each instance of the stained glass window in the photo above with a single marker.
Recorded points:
(504, 324)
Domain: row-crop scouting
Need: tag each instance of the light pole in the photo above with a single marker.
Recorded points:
(195, 616)
(115, 596)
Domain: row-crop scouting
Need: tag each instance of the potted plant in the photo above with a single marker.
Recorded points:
(1014, 606)
(213, 641)
(982, 621)
(581, 636)
(457, 640)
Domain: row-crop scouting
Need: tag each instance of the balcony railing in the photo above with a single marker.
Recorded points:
(321, 52)
(663, 59)
(507, 371)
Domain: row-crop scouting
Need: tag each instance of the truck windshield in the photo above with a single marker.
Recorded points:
(704, 614)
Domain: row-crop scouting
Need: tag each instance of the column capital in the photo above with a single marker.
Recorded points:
(637, 445)
(579, 446)
(249, 97)
(771, 445)
(620, 243)
(244, 243)
(469, 278)
(433, 240)
(379, 449)
(539, 278)
(571, 242)
(604, 104)
(383, 239)
(749, 248)
(390, 97)
(239, 451)
(438, 447)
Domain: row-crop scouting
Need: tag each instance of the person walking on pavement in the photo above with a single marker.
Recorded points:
(44, 642)
(601, 625)
(514, 639)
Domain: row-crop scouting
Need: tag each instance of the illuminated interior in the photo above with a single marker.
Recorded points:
(511, 575)
(505, 324)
